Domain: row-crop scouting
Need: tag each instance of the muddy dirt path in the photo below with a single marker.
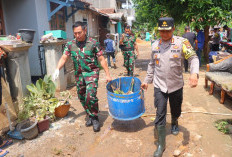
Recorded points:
(198, 137)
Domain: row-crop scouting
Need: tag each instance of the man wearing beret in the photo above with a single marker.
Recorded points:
(165, 72)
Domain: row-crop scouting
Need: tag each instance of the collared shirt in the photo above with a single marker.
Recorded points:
(84, 54)
(166, 65)
(200, 39)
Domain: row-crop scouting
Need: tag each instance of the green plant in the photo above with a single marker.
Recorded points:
(222, 126)
(201, 13)
(64, 98)
(44, 88)
(57, 151)
(41, 101)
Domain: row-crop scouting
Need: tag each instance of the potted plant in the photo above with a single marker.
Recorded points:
(41, 102)
(27, 125)
(29, 129)
(63, 105)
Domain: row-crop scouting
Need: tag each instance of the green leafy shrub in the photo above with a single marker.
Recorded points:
(222, 125)
(65, 96)
(41, 101)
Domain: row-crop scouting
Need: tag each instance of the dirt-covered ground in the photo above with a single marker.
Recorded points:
(198, 137)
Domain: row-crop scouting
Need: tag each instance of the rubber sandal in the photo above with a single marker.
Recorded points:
(8, 142)
(3, 153)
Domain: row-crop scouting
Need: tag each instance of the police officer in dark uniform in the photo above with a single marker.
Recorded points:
(165, 72)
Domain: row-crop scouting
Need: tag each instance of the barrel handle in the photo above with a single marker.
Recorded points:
(142, 94)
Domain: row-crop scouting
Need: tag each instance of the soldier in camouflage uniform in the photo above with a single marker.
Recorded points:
(86, 55)
(128, 45)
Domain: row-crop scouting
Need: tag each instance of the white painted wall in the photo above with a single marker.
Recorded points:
(27, 14)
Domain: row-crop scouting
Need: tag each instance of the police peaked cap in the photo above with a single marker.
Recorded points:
(165, 23)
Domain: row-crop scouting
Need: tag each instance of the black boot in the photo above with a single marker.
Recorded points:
(128, 72)
(89, 122)
(174, 129)
(161, 131)
(96, 124)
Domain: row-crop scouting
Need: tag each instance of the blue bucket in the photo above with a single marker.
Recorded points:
(125, 107)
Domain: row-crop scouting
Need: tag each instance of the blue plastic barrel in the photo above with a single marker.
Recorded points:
(126, 107)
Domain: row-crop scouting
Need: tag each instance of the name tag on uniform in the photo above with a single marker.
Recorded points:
(175, 51)
(156, 51)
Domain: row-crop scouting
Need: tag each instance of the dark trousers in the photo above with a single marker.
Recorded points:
(108, 57)
(215, 47)
(1, 141)
(186, 65)
(199, 55)
(175, 100)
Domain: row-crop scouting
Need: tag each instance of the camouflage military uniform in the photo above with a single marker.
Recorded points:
(128, 53)
(84, 56)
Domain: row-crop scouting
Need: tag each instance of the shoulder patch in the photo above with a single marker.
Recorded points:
(187, 43)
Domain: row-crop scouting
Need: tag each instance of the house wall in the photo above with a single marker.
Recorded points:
(92, 20)
(93, 25)
(27, 14)
(100, 4)
(112, 28)
(69, 24)
(42, 17)
(80, 14)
